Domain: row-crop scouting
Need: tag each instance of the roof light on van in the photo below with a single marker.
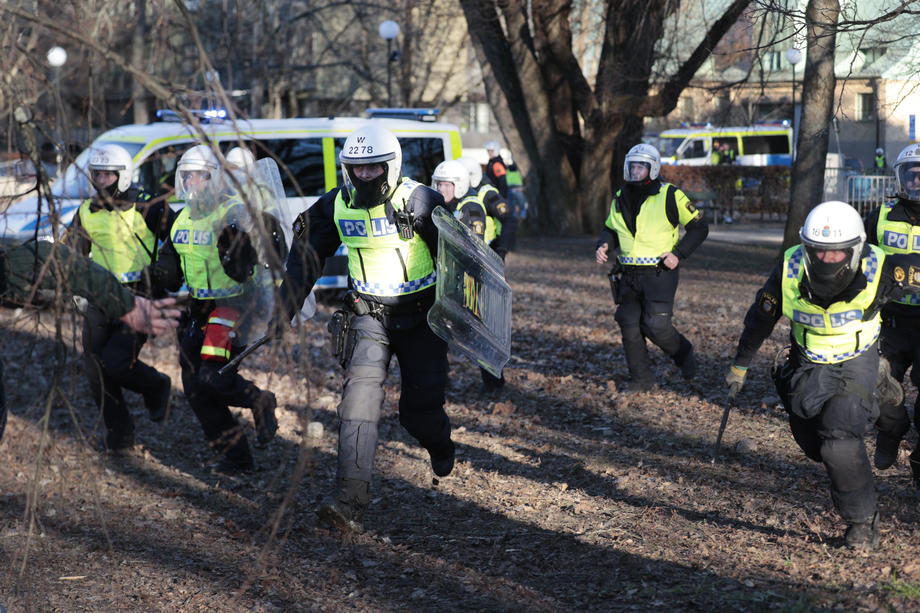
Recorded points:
(205, 115)
(397, 113)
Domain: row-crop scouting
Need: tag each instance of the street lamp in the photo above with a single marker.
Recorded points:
(388, 31)
(57, 57)
(793, 56)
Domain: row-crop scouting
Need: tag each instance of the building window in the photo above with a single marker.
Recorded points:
(865, 107)
(774, 61)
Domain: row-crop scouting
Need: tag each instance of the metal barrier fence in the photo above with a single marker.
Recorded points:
(868, 192)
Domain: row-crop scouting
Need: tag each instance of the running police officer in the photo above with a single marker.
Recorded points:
(644, 222)
(501, 221)
(831, 287)
(209, 247)
(119, 229)
(385, 221)
(41, 265)
(895, 227)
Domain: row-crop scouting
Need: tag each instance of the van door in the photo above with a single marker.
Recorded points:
(766, 150)
(694, 152)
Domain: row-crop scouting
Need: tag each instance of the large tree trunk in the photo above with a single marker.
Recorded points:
(817, 106)
(139, 93)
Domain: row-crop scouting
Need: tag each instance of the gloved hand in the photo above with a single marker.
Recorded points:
(237, 255)
(734, 378)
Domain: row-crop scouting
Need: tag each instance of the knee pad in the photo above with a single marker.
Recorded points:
(656, 324)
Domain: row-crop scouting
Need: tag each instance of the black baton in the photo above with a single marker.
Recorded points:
(245, 352)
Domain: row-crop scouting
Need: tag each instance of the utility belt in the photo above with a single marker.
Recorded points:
(358, 305)
(620, 270)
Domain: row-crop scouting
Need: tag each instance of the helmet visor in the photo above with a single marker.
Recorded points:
(637, 171)
(831, 268)
(909, 178)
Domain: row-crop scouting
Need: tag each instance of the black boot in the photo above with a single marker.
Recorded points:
(119, 443)
(158, 403)
(863, 535)
(686, 359)
(443, 462)
(886, 451)
(344, 509)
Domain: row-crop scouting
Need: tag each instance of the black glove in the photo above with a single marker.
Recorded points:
(237, 255)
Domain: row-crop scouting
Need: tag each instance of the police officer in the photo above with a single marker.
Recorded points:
(452, 178)
(208, 247)
(831, 287)
(895, 227)
(385, 221)
(501, 222)
(879, 164)
(644, 222)
(40, 265)
(496, 171)
(119, 230)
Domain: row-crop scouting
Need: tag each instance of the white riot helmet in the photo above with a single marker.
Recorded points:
(114, 159)
(473, 169)
(642, 154)
(832, 226)
(907, 173)
(240, 158)
(492, 145)
(198, 176)
(372, 144)
(879, 151)
(452, 171)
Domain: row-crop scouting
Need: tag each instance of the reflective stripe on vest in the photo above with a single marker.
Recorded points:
(196, 243)
(898, 237)
(120, 241)
(381, 263)
(654, 233)
(837, 333)
(493, 225)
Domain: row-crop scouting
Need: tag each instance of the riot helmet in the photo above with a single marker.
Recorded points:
(493, 147)
(473, 169)
(198, 178)
(110, 159)
(879, 151)
(453, 172)
(647, 156)
(370, 146)
(907, 173)
(832, 239)
(241, 158)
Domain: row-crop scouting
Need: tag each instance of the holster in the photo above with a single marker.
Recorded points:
(615, 281)
(342, 335)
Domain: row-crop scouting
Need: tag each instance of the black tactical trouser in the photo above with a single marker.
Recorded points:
(900, 344)
(2, 404)
(830, 410)
(646, 303)
(422, 358)
(110, 360)
(211, 394)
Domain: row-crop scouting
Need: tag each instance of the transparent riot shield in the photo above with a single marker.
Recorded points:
(472, 311)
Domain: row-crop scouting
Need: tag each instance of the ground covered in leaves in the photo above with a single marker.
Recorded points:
(567, 494)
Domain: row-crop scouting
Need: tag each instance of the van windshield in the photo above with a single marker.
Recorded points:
(74, 182)
(667, 145)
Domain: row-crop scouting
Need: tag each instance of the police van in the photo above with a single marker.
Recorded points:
(306, 149)
(759, 145)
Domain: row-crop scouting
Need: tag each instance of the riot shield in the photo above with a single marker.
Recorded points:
(472, 311)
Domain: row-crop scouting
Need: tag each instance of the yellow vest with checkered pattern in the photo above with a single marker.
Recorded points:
(898, 237)
(120, 241)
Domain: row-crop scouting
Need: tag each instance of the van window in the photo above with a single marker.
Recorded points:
(157, 175)
(304, 160)
(696, 148)
(667, 145)
(419, 158)
(773, 143)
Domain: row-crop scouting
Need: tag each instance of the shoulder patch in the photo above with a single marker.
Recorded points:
(692, 208)
(300, 225)
(502, 208)
(768, 303)
(899, 274)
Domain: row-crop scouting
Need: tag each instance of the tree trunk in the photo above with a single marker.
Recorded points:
(817, 107)
(140, 104)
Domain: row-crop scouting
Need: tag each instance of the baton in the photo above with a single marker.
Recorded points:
(243, 354)
(715, 448)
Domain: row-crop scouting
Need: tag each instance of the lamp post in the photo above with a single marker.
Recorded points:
(793, 56)
(57, 57)
(389, 30)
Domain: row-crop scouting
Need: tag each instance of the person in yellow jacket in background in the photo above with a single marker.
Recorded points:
(643, 231)
(119, 229)
(210, 248)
